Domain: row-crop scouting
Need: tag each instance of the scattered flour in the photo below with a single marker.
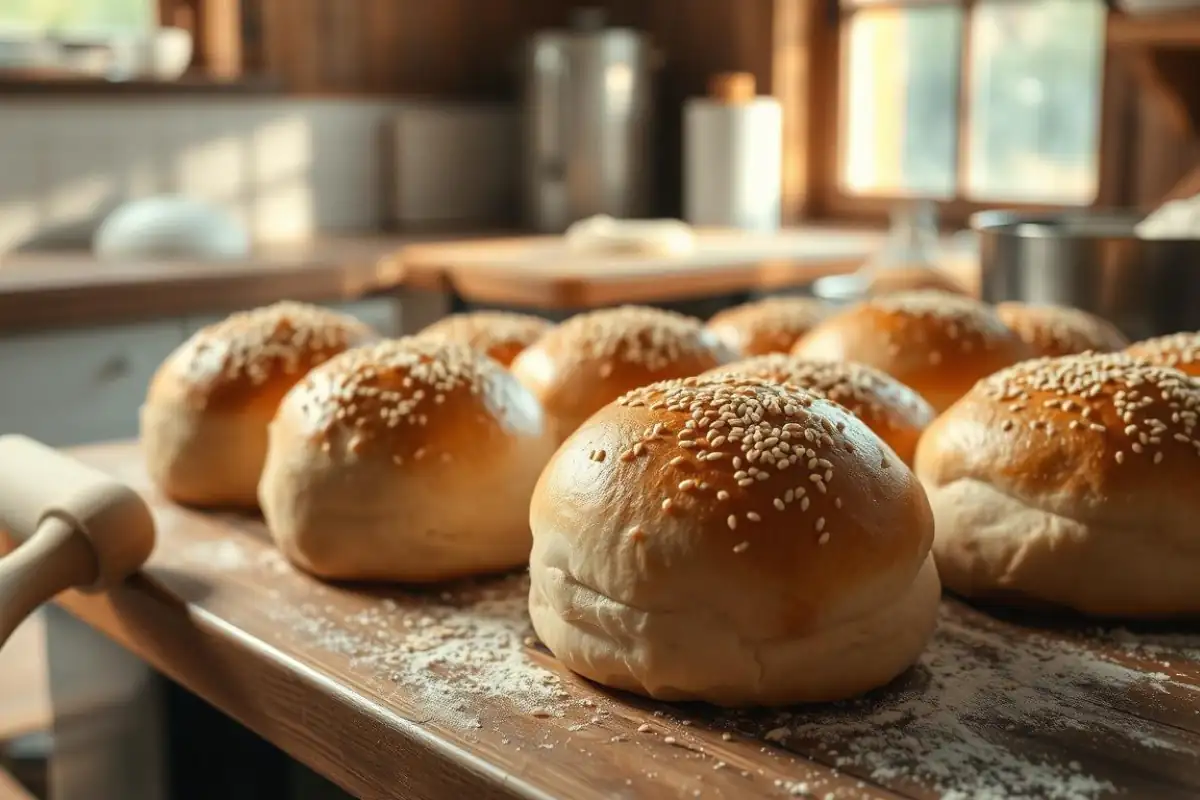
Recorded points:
(231, 555)
(957, 725)
(446, 655)
(1164, 648)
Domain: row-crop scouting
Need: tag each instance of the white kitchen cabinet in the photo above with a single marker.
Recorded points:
(76, 386)
(86, 385)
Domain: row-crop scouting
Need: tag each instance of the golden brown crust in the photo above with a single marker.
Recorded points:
(1064, 481)
(892, 410)
(408, 460)
(1179, 350)
(405, 401)
(204, 423)
(593, 358)
(1060, 331)
(796, 510)
(1096, 436)
(249, 361)
(767, 326)
(500, 334)
(937, 343)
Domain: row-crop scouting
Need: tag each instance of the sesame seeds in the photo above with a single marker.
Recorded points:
(963, 323)
(868, 393)
(1181, 350)
(1137, 407)
(650, 338)
(770, 325)
(285, 340)
(771, 435)
(1059, 331)
(386, 394)
(499, 334)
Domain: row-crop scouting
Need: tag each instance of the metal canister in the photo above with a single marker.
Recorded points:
(587, 114)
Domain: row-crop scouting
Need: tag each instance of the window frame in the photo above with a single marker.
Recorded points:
(829, 199)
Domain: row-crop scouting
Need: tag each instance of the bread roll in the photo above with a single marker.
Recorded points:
(1060, 331)
(1179, 350)
(408, 460)
(731, 540)
(937, 343)
(204, 421)
(893, 411)
(767, 326)
(594, 358)
(1067, 482)
(499, 334)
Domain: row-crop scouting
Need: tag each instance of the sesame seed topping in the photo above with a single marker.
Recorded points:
(824, 537)
(741, 547)
(770, 325)
(650, 338)
(789, 440)
(1059, 331)
(283, 341)
(870, 394)
(1140, 408)
(382, 396)
(499, 334)
(964, 325)
(1181, 350)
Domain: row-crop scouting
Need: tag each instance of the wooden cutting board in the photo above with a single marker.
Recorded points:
(542, 272)
(443, 692)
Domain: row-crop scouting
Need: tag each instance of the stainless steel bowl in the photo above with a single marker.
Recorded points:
(1091, 261)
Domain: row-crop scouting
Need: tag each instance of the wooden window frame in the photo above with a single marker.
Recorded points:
(828, 31)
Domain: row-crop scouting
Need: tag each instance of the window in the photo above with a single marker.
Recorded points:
(970, 101)
(76, 15)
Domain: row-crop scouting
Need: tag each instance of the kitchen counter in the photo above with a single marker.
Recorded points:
(56, 289)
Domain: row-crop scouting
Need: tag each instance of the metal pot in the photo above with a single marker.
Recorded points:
(1092, 261)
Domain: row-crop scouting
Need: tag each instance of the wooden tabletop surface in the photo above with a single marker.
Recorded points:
(542, 272)
(442, 692)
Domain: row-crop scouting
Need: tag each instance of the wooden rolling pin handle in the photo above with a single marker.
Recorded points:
(55, 559)
(73, 526)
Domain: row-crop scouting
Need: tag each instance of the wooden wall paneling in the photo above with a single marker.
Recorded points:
(301, 25)
(1118, 134)
(253, 59)
(341, 45)
(275, 41)
(384, 25)
(491, 38)
(794, 76)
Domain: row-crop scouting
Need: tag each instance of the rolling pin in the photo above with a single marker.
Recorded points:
(73, 526)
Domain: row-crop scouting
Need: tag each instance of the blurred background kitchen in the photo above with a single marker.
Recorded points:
(164, 162)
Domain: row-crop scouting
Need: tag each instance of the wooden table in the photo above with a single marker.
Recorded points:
(541, 272)
(441, 693)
